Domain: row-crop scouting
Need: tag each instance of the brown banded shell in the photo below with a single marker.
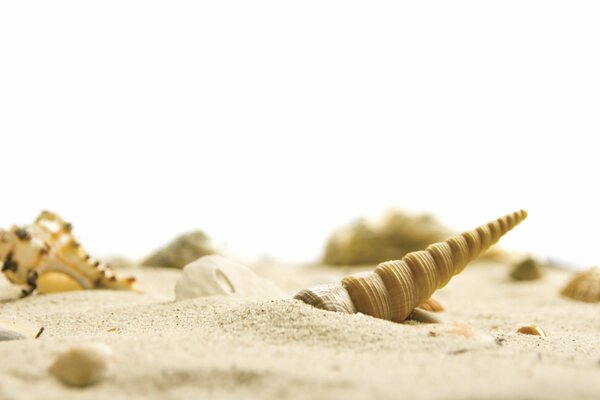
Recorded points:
(584, 286)
(396, 287)
(14, 329)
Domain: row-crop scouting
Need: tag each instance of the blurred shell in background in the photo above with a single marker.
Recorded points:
(528, 269)
(397, 234)
(181, 251)
(584, 286)
(119, 262)
(532, 330)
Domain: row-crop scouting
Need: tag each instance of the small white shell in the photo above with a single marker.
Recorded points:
(83, 365)
(12, 329)
(9, 334)
(217, 276)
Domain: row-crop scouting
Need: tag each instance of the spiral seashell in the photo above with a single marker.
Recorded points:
(396, 287)
(584, 286)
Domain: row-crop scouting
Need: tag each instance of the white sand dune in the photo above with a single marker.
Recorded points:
(235, 348)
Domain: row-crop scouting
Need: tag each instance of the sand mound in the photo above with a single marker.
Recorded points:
(225, 347)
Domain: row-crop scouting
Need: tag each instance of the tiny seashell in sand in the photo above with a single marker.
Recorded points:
(532, 330)
(217, 276)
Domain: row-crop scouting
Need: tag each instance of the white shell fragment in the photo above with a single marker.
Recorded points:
(217, 276)
(424, 316)
(12, 329)
(83, 365)
(8, 334)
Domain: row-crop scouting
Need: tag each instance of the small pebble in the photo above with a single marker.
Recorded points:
(83, 365)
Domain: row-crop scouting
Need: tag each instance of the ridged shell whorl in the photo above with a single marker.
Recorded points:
(396, 287)
(585, 286)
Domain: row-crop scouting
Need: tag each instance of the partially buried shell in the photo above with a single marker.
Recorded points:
(395, 288)
(218, 276)
(584, 286)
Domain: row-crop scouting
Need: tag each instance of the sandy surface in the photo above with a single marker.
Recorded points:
(236, 348)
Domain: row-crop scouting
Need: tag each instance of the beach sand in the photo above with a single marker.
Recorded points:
(231, 348)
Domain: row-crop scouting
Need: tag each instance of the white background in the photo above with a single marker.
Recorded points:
(269, 124)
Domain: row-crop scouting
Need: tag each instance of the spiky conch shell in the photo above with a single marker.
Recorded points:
(584, 286)
(396, 287)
